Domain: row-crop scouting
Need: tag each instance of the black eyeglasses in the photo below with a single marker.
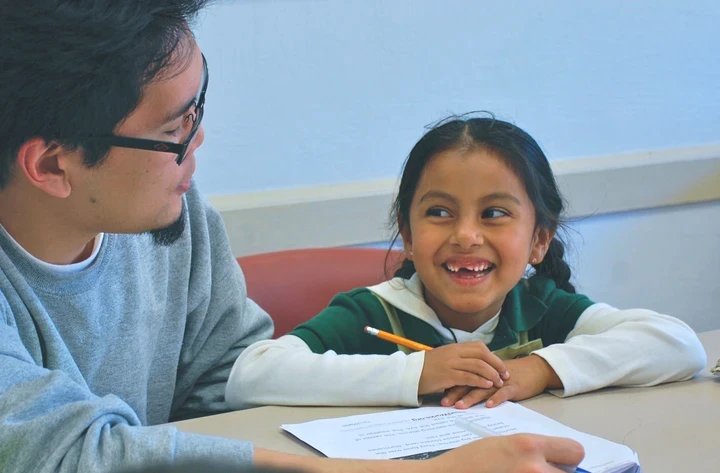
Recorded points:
(165, 146)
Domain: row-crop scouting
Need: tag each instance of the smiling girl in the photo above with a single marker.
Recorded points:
(477, 207)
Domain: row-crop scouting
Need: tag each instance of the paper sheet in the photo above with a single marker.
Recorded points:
(428, 431)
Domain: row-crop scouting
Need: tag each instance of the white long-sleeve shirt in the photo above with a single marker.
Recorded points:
(606, 347)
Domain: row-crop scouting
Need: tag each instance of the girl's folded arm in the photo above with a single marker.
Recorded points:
(635, 347)
(286, 372)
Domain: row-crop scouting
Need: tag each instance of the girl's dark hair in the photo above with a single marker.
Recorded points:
(72, 68)
(519, 151)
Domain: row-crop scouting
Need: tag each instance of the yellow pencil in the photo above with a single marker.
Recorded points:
(391, 337)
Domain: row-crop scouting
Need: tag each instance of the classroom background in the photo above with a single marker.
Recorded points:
(313, 106)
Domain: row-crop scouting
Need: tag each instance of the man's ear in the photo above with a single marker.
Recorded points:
(541, 242)
(45, 165)
(406, 236)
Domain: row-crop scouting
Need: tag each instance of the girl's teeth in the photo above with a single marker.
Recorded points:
(475, 268)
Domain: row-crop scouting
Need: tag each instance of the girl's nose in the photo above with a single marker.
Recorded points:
(468, 234)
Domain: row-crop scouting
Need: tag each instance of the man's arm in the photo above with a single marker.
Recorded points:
(508, 454)
(221, 321)
(50, 423)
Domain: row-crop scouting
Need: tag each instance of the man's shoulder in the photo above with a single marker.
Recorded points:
(201, 212)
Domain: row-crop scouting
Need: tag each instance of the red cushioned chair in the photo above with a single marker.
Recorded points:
(295, 285)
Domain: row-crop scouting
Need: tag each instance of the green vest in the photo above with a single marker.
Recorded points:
(534, 314)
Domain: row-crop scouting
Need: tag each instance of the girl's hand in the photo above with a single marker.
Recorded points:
(529, 376)
(461, 364)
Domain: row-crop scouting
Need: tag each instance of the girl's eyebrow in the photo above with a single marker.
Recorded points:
(438, 195)
(490, 197)
(501, 196)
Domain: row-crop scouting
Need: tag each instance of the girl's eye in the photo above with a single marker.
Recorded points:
(437, 212)
(494, 213)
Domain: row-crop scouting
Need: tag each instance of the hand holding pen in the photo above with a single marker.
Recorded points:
(458, 364)
(478, 374)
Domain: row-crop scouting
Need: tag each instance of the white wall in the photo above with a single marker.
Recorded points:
(328, 96)
(666, 259)
(307, 92)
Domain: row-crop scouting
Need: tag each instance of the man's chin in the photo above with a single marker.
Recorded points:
(169, 234)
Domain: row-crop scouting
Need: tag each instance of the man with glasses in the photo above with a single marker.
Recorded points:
(121, 305)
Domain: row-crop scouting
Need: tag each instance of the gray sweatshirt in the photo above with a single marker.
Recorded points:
(91, 361)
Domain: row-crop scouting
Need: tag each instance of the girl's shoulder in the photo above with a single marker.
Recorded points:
(359, 295)
(537, 305)
(341, 326)
(546, 290)
(537, 297)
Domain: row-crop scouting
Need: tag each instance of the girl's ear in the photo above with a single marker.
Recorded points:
(406, 238)
(540, 244)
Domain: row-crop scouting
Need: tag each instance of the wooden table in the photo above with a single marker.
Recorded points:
(674, 428)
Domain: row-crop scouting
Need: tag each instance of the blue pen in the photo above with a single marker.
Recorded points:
(482, 432)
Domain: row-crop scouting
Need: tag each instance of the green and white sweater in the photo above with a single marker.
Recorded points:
(330, 360)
